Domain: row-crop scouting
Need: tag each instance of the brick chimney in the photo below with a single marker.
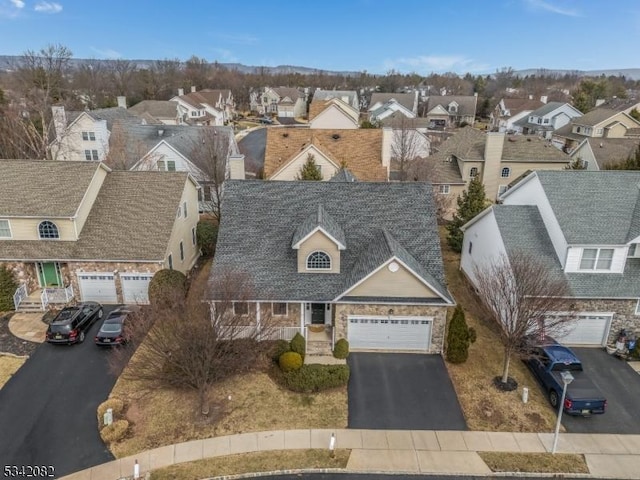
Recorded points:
(193, 89)
(122, 102)
(493, 147)
(59, 120)
(236, 167)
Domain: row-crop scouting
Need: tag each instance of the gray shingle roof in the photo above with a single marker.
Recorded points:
(611, 151)
(407, 100)
(259, 220)
(329, 94)
(522, 229)
(156, 108)
(319, 218)
(343, 175)
(131, 219)
(43, 188)
(466, 103)
(115, 114)
(593, 207)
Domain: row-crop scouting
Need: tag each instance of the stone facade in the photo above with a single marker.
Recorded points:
(23, 272)
(624, 315)
(439, 314)
(291, 319)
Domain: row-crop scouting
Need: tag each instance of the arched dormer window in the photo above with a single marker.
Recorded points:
(318, 261)
(47, 230)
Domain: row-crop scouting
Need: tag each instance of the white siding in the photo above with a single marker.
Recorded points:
(532, 193)
(292, 169)
(487, 244)
(574, 255)
(334, 118)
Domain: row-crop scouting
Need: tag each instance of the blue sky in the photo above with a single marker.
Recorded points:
(374, 35)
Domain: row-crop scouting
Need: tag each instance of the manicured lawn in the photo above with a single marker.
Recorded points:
(534, 462)
(8, 366)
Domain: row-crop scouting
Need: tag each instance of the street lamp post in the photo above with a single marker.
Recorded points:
(567, 378)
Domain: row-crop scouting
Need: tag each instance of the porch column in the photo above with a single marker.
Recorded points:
(302, 330)
(258, 319)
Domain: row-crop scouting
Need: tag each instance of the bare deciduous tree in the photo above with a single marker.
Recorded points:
(522, 295)
(407, 144)
(426, 170)
(191, 345)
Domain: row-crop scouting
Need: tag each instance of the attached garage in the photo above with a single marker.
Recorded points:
(135, 287)
(390, 333)
(588, 330)
(98, 287)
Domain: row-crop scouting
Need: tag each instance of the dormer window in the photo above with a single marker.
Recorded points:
(48, 230)
(453, 108)
(596, 259)
(318, 261)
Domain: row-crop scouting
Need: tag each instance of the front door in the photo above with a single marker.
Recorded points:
(49, 274)
(317, 313)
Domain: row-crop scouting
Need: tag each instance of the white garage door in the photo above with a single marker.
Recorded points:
(98, 287)
(135, 287)
(389, 333)
(586, 330)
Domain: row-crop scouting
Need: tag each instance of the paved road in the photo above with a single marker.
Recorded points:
(402, 392)
(48, 409)
(355, 476)
(253, 148)
(621, 386)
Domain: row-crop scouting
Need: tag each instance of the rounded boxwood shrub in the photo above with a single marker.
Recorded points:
(298, 344)
(115, 404)
(315, 378)
(341, 349)
(167, 286)
(290, 361)
(114, 432)
(280, 347)
(207, 236)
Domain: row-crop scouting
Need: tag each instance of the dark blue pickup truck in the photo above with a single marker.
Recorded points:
(583, 397)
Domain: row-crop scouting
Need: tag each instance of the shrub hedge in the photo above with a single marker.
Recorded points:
(298, 344)
(280, 347)
(114, 404)
(341, 349)
(8, 287)
(114, 432)
(207, 236)
(315, 378)
(167, 285)
(290, 361)
(458, 338)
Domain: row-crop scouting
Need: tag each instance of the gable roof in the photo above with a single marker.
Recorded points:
(258, 225)
(113, 115)
(610, 151)
(466, 103)
(359, 149)
(205, 96)
(343, 175)
(517, 105)
(130, 220)
(156, 108)
(319, 219)
(317, 107)
(319, 95)
(597, 116)
(407, 100)
(43, 188)
(292, 93)
(593, 207)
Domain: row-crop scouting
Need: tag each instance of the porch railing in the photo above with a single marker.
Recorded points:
(272, 333)
(21, 294)
(56, 295)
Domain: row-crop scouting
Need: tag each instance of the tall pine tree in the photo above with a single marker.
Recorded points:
(470, 203)
(310, 170)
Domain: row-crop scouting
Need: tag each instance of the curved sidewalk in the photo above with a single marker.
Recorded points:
(399, 451)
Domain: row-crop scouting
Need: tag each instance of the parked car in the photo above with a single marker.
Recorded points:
(112, 330)
(266, 120)
(71, 323)
(547, 362)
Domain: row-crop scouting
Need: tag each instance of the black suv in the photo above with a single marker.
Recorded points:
(72, 323)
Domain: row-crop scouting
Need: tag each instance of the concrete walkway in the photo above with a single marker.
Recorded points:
(400, 451)
(28, 326)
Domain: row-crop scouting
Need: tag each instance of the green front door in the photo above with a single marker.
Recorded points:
(49, 276)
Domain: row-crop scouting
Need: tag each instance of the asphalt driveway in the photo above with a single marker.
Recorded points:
(253, 147)
(48, 408)
(402, 391)
(620, 385)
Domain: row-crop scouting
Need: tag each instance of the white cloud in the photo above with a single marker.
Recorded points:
(17, 3)
(48, 7)
(11, 8)
(107, 53)
(550, 7)
(436, 63)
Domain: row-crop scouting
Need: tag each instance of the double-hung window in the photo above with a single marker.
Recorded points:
(596, 259)
(5, 229)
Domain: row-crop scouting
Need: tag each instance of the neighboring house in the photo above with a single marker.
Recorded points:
(334, 114)
(385, 105)
(85, 135)
(585, 226)
(360, 259)
(546, 119)
(451, 110)
(510, 110)
(179, 148)
(625, 105)
(157, 111)
(598, 138)
(497, 158)
(350, 97)
(78, 230)
(397, 120)
(361, 151)
(282, 101)
(205, 107)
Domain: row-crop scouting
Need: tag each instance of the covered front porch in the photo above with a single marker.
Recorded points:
(42, 284)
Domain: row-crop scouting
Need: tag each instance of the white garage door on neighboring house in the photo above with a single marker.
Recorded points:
(589, 330)
(98, 287)
(135, 287)
(389, 333)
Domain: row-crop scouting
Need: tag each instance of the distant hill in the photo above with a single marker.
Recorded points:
(629, 73)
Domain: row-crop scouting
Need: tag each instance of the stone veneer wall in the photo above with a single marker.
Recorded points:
(291, 319)
(439, 314)
(70, 269)
(624, 314)
(24, 272)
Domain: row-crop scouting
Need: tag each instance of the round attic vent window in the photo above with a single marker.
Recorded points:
(394, 267)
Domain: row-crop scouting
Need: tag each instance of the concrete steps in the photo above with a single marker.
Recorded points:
(28, 305)
(318, 347)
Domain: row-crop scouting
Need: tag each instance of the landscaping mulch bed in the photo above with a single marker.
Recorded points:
(12, 344)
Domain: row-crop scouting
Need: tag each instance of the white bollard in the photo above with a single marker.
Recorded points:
(525, 395)
(332, 445)
(136, 470)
